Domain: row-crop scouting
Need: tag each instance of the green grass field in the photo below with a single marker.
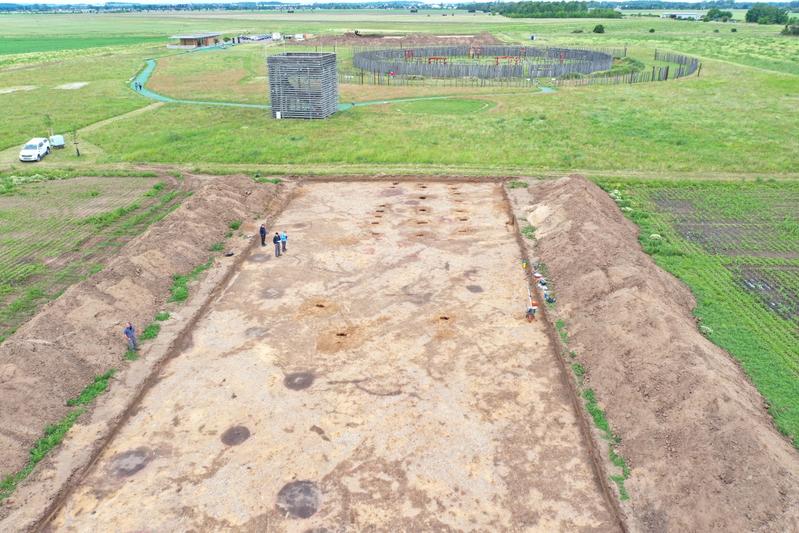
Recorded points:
(737, 247)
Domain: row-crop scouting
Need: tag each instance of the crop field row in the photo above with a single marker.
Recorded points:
(736, 245)
(55, 233)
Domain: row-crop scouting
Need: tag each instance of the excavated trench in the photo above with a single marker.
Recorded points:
(376, 376)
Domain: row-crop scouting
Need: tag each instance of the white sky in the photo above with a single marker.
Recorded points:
(61, 2)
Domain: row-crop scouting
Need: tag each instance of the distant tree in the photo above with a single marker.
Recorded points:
(716, 14)
(767, 15)
(599, 28)
(48, 123)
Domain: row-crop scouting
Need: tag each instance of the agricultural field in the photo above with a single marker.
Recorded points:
(736, 245)
(54, 232)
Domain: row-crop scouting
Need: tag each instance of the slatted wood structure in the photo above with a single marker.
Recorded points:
(303, 84)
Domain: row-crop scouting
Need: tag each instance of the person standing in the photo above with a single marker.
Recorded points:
(284, 240)
(276, 242)
(262, 231)
(130, 334)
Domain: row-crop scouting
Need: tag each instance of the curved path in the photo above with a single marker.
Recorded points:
(144, 75)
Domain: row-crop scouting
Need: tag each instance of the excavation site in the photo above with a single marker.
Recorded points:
(452, 354)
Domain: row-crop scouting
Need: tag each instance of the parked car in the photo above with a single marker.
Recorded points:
(35, 149)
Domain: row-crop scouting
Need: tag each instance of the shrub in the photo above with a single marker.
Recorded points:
(517, 184)
(151, 331)
(217, 247)
(734, 30)
(236, 224)
(162, 315)
(651, 30)
(599, 28)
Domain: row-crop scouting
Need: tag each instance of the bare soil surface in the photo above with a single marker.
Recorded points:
(396, 40)
(56, 354)
(377, 377)
(704, 453)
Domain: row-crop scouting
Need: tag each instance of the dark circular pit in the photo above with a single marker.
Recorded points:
(128, 463)
(299, 499)
(298, 380)
(235, 435)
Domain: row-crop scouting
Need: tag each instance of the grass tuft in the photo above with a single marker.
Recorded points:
(162, 315)
(151, 331)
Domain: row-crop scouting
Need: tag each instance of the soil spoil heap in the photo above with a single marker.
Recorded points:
(703, 450)
(51, 358)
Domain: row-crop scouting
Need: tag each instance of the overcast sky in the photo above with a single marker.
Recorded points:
(233, 1)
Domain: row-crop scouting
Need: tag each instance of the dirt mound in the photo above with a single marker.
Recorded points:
(411, 39)
(56, 354)
(703, 450)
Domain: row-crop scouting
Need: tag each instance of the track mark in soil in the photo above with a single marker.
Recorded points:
(474, 288)
(255, 332)
(298, 380)
(299, 499)
(258, 258)
(128, 463)
(321, 432)
(235, 435)
(272, 292)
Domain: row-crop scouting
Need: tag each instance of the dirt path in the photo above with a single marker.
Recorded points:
(377, 377)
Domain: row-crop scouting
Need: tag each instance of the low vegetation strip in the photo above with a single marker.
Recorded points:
(699, 443)
(737, 247)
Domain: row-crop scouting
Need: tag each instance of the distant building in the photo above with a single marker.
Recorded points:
(681, 16)
(195, 40)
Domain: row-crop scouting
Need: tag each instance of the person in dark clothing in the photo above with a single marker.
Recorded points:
(276, 242)
(263, 235)
(130, 334)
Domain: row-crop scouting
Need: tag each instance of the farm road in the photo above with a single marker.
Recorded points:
(378, 376)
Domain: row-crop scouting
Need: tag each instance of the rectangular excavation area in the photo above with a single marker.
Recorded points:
(379, 376)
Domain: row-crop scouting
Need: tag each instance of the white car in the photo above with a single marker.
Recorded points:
(35, 149)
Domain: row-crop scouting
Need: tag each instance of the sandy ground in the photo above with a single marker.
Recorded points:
(9, 90)
(379, 376)
(72, 86)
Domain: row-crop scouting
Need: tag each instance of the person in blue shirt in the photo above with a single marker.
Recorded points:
(130, 334)
(284, 239)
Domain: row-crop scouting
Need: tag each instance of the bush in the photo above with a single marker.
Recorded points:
(599, 28)
(651, 30)
(734, 30)
(162, 315)
(577, 31)
(236, 224)
(151, 331)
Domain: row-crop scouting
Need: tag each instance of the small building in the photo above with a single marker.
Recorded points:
(195, 40)
(303, 84)
(681, 16)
